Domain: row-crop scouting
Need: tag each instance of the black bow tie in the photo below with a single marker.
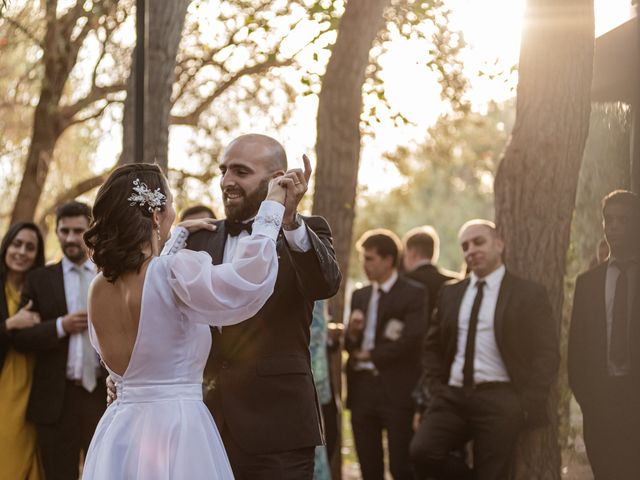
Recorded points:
(234, 228)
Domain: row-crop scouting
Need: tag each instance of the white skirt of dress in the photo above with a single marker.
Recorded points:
(161, 439)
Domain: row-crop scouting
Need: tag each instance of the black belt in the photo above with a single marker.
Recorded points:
(484, 386)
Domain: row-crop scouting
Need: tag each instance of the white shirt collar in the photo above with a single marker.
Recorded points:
(68, 265)
(493, 280)
(386, 286)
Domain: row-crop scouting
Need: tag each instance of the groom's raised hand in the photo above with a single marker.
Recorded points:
(297, 182)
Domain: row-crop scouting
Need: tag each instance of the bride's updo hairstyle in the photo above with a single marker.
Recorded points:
(121, 228)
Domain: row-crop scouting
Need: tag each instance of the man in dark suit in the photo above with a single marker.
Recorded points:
(421, 251)
(383, 340)
(604, 345)
(68, 392)
(491, 354)
(258, 376)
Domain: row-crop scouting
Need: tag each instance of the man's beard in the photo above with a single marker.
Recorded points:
(78, 255)
(248, 208)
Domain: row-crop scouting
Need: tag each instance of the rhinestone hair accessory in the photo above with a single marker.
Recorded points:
(142, 196)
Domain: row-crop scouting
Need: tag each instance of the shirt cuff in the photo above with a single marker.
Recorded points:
(176, 242)
(269, 219)
(298, 239)
(59, 328)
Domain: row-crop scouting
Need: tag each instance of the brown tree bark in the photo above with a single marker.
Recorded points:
(60, 52)
(536, 182)
(165, 23)
(338, 124)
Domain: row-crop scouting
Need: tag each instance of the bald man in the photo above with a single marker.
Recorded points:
(491, 355)
(258, 377)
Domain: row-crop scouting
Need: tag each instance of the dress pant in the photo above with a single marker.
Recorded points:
(371, 413)
(289, 465)
(490, 414)
(612, 431)
(61, 441)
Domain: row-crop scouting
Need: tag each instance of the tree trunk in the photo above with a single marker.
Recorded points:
(338, 147)
(536, 182)
(165, 20)
(338, 124)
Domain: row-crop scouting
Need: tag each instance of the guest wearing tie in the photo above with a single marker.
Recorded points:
(383, 340)
(68, 394)
(604, 340)
(491, 355)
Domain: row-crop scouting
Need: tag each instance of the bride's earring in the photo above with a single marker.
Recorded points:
(158, 233)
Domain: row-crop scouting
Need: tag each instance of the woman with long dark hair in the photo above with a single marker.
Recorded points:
(150, 319)
(21, 251)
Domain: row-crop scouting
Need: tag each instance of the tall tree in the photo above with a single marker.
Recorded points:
(536, 182)
(64, 37)
(338, 124)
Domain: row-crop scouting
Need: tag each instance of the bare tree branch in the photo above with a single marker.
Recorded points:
(97, 114)
(76, 190)
(18, 26)
(193, 117)
(97, 93)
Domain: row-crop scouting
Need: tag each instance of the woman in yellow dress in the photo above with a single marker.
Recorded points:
(21, 250)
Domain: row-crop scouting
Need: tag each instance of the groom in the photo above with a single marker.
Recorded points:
(258, 375)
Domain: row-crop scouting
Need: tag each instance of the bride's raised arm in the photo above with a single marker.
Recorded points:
(226, 294)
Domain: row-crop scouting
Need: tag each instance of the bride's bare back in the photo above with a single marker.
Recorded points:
(114, 309)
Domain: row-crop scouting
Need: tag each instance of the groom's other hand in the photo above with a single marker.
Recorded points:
(112, 395)
(297, 182)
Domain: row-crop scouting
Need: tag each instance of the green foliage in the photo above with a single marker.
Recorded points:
(449, 180)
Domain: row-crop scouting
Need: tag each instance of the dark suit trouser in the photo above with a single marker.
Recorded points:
(490, 415)
(612, 432)
(371, 413)
(61, 441)
(288, 465)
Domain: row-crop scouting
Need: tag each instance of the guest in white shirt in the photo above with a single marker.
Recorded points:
(68, 393)
(491, 356)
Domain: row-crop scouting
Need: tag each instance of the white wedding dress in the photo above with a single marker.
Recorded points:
(159, 428)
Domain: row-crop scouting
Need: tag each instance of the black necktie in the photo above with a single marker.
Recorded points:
(619, 344)
(470, 350)
(234, 228)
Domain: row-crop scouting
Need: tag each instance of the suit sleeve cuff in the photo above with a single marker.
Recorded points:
(59, 328)
(298, 239)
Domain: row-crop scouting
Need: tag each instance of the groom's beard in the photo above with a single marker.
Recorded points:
(248, 208)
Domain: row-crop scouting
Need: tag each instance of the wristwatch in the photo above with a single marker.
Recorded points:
(297, 222)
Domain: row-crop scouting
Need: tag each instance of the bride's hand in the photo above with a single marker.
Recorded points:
(277, 192)
(199, 224)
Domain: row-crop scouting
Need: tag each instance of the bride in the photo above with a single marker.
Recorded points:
(149, 318)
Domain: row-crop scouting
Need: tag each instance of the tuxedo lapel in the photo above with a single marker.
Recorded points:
(506, 289)
(56, 280)
(216, 244)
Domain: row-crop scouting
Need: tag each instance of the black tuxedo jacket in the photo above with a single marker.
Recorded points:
(433, 279)
(588, 375)
(525, 334)
(396, 360)
(264, 392)
(45, 287)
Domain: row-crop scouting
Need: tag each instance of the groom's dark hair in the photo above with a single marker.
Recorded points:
(122, 226)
